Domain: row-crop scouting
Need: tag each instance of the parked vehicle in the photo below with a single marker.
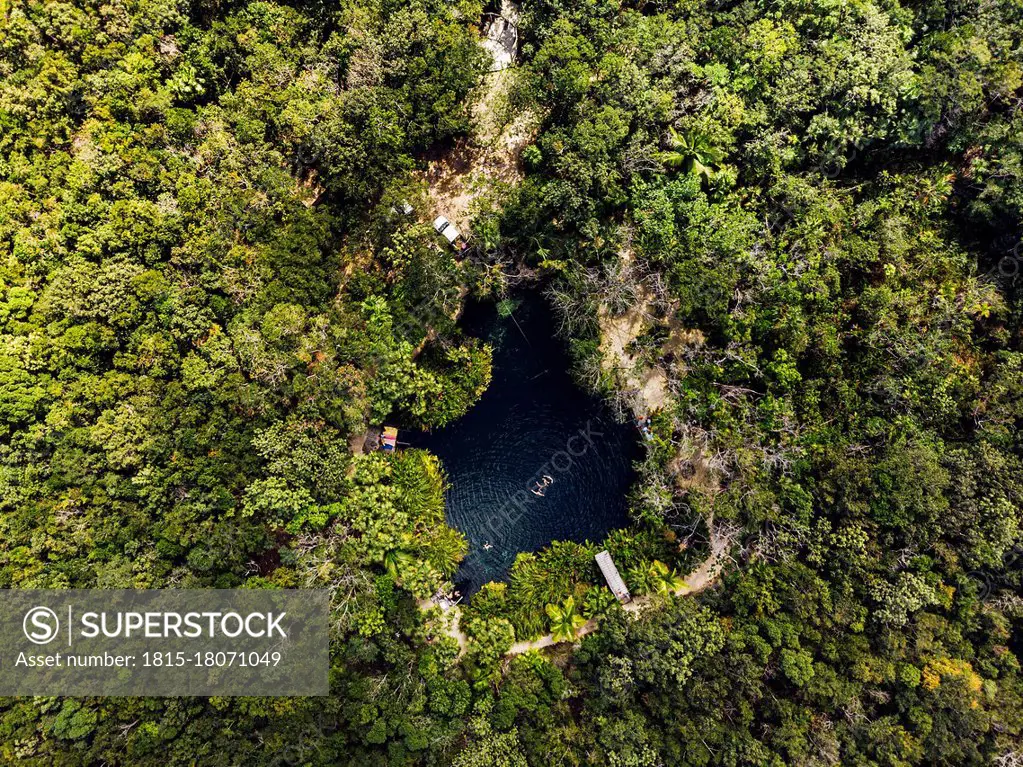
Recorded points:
(403, 207)
(447, 230)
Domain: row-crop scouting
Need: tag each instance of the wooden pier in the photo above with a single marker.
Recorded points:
(614, 580)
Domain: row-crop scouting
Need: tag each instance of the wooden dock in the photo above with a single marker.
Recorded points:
(614, 580)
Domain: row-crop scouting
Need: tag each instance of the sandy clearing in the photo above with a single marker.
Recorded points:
(491, 155)
(648, 384)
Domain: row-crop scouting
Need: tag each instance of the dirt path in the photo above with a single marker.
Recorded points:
(703, 577)
(452, 618)
(490, 156)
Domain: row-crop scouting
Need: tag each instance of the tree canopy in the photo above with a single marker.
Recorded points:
(208, 294)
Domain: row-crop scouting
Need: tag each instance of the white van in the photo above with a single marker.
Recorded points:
(447, 230)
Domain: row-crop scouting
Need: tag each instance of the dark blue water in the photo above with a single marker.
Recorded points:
(532, 421)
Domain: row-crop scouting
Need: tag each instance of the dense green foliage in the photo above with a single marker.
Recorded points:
(183, 361)
(206, 297)
(818, 198)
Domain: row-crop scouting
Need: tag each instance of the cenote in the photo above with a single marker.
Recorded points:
(533, 420)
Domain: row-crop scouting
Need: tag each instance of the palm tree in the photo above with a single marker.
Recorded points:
(565, 622)
(638, 580)
(692, 153)
(395, 560)
(665, 581)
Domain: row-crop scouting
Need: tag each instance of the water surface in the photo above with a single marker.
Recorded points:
(532, 421)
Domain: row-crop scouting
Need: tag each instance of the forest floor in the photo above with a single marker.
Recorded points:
(451, 619)
(647, 383)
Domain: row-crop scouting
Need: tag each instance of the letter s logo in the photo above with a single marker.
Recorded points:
(41, 625)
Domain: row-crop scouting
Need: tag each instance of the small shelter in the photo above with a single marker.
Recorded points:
(389, 438)
(614, 580)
